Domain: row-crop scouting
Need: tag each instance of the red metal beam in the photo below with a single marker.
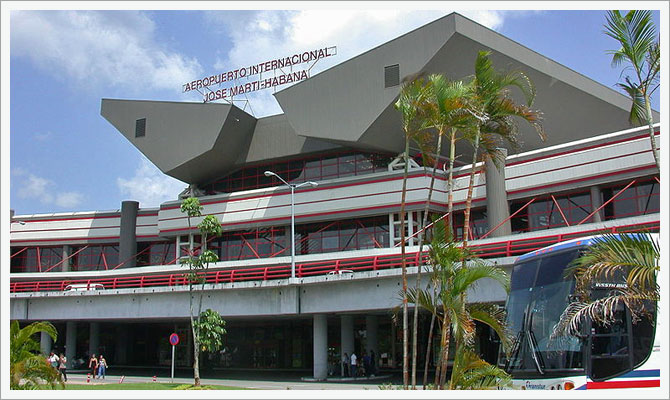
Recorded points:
(66, 258)
(607, 202)
(559, 210)
(508, 218)
(18, 252)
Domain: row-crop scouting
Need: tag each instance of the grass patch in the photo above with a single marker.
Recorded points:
(145, 386)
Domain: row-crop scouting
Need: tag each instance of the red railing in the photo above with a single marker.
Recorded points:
(506, 248)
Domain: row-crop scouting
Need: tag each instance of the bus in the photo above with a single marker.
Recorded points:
(623, 354)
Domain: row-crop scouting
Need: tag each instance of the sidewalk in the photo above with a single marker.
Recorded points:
(331, 384)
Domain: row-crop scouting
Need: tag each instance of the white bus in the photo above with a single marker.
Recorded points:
(622, 355)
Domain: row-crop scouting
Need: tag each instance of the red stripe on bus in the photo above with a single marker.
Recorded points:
(623, 384)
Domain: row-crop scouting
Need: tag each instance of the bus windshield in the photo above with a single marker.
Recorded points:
(538, 295)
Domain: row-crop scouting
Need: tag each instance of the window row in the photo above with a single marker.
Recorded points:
(316, 168)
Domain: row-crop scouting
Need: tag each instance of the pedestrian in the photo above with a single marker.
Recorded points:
(102, 367)
(53, 360)
(93, 365)
(353, 365)
(373, 363)
(345, 365)
(62, 366)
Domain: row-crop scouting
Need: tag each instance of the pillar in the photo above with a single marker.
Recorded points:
(121, 347)
(346, 337)
(94, 338)
(70, 342)
(393, 345)
(65, 265)
(127, 239)
(497, 208)
(320, 347)
(596, 201)
(45, 343)
(372, 343)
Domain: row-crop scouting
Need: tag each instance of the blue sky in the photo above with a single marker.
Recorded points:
(65, 157)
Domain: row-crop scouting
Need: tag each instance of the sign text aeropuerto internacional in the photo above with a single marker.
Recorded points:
(259, 84)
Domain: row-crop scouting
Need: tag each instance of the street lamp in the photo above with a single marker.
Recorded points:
(293, 187)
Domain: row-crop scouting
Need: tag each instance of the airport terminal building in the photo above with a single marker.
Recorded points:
(339, 128)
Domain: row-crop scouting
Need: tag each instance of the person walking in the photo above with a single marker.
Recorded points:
(62, 366)
(102, 367)
(53, 360)
(353, 365)
(93, 365)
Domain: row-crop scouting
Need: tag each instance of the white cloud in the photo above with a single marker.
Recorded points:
(34, 187)
(117, 48)
(263, 35)
(150, 186)
(69, 199)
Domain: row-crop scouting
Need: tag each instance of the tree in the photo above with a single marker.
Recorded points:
(28, 368)
(636, 33)
(212, 328)
(198, 260)
(410, 103)
(472, 373)
(634, 258)
(494, 111)
(443, 111)
(451, 280)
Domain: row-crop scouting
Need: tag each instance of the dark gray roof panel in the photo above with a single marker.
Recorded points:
(188, 141)
(275, 138)
(342, 102)
(349, 103)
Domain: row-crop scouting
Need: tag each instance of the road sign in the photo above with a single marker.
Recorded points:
(174, 339)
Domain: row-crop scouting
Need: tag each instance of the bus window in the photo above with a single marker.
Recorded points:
(610, 345)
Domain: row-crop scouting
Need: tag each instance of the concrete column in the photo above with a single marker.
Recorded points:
(65, 265)
(497, 207)
(393, 346)
(346, 337)
(45, 343)
(121, 348)
(127, 239)
(94, 338)
(70, 342)
(596, 201)
(372, 343)
(320, 347)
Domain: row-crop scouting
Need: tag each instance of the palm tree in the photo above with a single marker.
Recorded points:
(443, 111)
(636, 33)
(494, 113)
(451, 280)
(28, 368)
(412, 97)
(633, 256)
(472, 373)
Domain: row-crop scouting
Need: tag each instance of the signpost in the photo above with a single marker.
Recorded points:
(174, 341)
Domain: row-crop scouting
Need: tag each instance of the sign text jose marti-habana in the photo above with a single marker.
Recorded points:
(256, 69)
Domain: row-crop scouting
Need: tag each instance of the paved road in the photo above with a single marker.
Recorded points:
(251, 383)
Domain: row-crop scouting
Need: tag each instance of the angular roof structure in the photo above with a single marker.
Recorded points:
(351, 105)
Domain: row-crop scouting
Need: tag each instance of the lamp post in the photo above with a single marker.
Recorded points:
(293, 187)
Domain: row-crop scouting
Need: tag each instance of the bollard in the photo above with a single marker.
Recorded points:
(154, 378)
(121, 379)
(88, 378)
